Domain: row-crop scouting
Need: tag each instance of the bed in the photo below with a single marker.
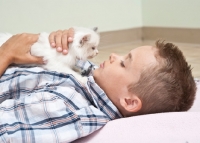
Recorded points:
(174, 127)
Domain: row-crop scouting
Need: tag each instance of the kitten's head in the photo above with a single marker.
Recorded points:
(85, 43)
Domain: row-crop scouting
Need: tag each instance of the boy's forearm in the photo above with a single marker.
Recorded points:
(4, 63)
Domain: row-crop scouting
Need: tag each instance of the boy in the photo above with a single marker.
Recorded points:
(45, 106)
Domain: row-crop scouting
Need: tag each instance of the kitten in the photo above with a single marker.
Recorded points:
(84, 46)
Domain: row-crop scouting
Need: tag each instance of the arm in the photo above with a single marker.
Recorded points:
(17, 50)
(4, 62)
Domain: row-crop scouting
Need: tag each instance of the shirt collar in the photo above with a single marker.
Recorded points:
(101, 100)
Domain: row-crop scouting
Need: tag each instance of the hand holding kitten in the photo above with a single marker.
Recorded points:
(36, 49)
(60, 39)
(17, 48)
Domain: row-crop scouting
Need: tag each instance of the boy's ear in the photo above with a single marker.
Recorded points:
(131, 104)
(84, 39)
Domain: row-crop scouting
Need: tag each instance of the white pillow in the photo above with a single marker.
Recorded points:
(174, 127)
(196, 105)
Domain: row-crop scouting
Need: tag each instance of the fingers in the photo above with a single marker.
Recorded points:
(70, 34)
(33, 38)
(29, 38)
(66, 39)
(60, 39)
(52, 40)
(55, 39)
(64, 42)
(35, 60)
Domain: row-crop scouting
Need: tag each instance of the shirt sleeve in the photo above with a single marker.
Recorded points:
(86, 67)
(91, 119)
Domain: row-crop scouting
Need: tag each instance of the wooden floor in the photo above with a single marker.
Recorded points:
(191, 52)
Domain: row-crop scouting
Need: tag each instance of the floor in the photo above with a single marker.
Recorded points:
(191, 52)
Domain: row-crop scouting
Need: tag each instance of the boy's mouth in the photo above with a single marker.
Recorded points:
(102, 65)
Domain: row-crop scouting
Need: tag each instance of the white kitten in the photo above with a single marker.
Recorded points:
(84, 46)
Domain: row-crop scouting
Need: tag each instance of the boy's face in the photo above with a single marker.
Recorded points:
(116, 73)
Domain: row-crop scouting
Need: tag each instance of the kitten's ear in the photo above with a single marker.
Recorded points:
(84, 39)
(95, 29)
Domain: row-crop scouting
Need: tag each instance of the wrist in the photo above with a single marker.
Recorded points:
(6, 59)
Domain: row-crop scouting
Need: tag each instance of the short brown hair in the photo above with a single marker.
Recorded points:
(168, 86)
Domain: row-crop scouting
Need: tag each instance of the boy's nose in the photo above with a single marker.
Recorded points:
(113, 57)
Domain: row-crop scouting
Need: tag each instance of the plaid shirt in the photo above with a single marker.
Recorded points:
(44, 106)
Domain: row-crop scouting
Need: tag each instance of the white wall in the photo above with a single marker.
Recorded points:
(46, 15)
(171, 13)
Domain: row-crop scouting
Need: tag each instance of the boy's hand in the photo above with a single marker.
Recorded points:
(17, 49)
(60, 40)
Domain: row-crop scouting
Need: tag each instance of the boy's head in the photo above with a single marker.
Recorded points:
(167, 87)
(148, 80)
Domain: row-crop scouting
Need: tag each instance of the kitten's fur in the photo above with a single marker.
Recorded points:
(84, 46)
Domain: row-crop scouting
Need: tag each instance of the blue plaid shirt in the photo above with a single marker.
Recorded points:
(45, 106)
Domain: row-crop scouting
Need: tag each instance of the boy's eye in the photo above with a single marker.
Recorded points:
(122, 63)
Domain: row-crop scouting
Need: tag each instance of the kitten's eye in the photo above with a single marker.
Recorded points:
(81, 42)
(122, 64)
(93, 48)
